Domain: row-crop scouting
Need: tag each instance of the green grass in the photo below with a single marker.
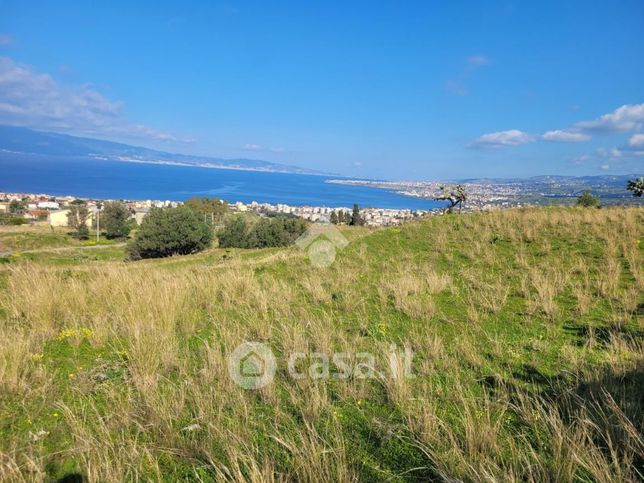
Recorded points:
(115, 360)
(32, 240)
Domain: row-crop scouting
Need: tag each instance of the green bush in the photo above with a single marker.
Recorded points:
(11, 219)
(276, 232)
(636, 186)
(77, 220)
(234, 233)
(587, 200)
(170, 231)
(268, 232)
(212, 210)
(116, 219)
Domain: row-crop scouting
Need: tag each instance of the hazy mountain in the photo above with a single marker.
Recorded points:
(23, 142)
(598, 180)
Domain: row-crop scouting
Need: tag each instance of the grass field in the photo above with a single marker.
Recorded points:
(525, 325)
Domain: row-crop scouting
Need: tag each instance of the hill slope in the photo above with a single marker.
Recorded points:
(26, 143)
(525, 325)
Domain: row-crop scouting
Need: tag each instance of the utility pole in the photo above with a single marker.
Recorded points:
(98, 223)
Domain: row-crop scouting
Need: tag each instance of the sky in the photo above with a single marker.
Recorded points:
(397, 90)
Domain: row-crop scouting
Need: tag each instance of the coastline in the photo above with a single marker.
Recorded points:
(42, 204)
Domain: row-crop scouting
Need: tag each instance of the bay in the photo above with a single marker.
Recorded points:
(102, 179)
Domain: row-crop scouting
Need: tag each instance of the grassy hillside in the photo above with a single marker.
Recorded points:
(526, 329)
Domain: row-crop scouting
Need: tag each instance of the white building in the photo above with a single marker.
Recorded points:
(48, 205)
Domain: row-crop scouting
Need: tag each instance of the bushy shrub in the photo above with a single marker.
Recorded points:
(116, 219)
(170, 231)
(11, 219)
(276, 232)
(212, 210)
(234, 233)
(588, 200)
(636, 186)
(77, 220)
(267, 232)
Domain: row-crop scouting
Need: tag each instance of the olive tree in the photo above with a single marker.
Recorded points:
(170, 231)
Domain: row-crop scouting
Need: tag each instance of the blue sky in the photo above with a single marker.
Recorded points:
(397, 90)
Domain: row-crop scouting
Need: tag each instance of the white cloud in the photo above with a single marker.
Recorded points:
(629, 117)
(565, 136)
(612, 158)
(636, 141)
(512, 137)
(33, 99)
(259, 147)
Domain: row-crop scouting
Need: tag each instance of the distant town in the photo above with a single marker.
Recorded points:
(484, 194)
(53, 209)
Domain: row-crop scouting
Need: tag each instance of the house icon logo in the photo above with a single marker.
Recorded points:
(321, 242)
(252, 365)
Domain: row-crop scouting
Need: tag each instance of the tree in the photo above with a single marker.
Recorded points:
(17, 207)
(455, 195)
(277, 231)
(9, 219)
(116, 219)
(636, 186)
(170, 231)
(334, 217)
(211, 209)
(77, 221)
(587, 200)
(356, 219)
(234, 233)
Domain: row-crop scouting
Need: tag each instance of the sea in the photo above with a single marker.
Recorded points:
(101, 179)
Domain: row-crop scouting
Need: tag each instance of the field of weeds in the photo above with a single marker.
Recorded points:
(525, 328)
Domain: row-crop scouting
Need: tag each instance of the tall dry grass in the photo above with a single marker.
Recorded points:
(132, 359)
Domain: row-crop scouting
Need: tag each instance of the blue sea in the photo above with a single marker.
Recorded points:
(136, 181)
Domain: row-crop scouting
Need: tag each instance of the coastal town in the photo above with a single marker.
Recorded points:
(323, 214)
(486, 194)
(53, 210)
(480, 196)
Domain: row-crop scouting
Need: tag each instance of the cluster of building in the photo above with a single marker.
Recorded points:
(493, 194)
(54, 209)
(322, 214)
(479, 196)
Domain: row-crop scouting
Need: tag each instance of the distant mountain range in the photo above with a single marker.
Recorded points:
(607, 180)
(22, 142)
